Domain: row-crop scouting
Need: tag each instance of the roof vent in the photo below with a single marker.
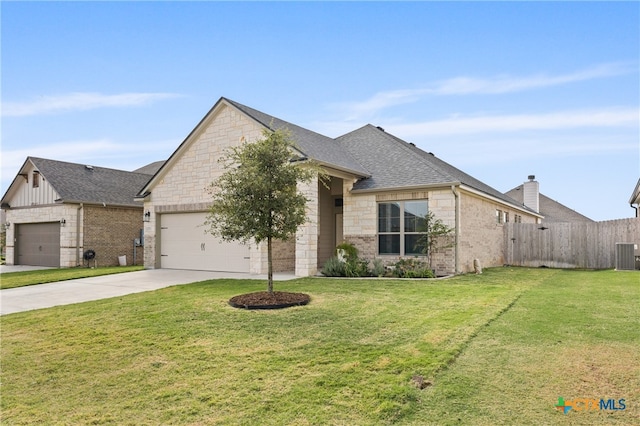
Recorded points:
(412, 144)
(379, 128)
(531, 177)
(88, 167)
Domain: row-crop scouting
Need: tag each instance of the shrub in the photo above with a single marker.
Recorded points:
(378, 269)
(412, 268)
(333, 267)
(357, 268)
(350, 251)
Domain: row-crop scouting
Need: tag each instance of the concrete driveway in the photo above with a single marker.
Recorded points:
(40, 296)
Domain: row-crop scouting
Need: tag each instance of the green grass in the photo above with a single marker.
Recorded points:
(574, 336)
(499, 348)
(42, 276)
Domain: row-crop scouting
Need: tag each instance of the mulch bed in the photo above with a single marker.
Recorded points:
(266, 300)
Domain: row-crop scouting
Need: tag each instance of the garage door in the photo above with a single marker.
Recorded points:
(185, 245)
(38, 244)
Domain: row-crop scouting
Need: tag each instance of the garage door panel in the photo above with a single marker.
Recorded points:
(38, 244)
(185, 245)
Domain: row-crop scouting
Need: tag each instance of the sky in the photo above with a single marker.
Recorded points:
(500, 90)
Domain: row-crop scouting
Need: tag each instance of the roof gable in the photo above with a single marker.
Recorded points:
(79, 183)
(311, 145)
(320, 148)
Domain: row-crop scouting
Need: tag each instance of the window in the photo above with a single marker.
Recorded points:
(36, 180)
(399, 227)
(498, 216)
(506, 217)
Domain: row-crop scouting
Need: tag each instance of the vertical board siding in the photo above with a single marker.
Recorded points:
(568, 245)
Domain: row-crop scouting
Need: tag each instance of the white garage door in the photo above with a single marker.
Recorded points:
(184, 244)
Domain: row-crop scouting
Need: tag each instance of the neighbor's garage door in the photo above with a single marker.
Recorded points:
(38, 244)
(184, 244)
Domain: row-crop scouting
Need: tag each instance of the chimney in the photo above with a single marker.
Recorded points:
(531, 194)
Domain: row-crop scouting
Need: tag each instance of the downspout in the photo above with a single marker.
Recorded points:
(457, 230)
(636, 207)
(78, 234)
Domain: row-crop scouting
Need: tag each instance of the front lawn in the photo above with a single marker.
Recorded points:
(182, 355)
(42, 276)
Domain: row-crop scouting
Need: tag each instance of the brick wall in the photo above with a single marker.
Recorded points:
(284, 255)
(110, 232)
(481, 236)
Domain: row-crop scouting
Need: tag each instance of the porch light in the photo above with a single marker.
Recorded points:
(147, 216)
(63, 222)
(7, 225)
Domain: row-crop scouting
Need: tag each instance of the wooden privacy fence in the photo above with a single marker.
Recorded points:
(589, 245)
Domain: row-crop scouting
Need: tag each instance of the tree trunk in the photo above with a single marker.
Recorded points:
(269, 266)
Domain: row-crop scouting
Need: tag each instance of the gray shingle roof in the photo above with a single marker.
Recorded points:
(395, 163)
(151, 168)
(314, 145)
(552, 210)
(95, 185)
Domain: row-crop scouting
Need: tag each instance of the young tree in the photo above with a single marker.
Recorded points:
(257, 196)
(435, 236)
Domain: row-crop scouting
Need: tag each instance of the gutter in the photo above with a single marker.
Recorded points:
(457, 230)
(78, 234)
(405, 188)
(503, 202)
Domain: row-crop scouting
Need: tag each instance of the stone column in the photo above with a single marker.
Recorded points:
(307, 235)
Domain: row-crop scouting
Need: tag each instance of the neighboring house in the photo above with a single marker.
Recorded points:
(378, 185)
(528, 194)
(57, 210)
(635, 199)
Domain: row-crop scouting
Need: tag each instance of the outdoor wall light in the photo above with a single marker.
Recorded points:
(7, 225)
(147, 216)
(63, 222)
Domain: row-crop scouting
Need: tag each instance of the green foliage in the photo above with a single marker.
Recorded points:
(435, 236)
(378, 269)
(346, 263)
(257, 196)
(412, 267)
(333, 267)
(350, 251)
(25, 278)
(181, 356)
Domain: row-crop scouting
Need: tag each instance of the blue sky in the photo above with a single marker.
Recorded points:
(500, 90)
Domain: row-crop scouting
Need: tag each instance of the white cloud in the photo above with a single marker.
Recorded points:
(612, 117)
(508, 84)
(79, 101)
(501, 84)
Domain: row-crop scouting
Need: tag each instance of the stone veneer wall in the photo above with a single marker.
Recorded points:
(480, 236)
(360, 221)
(187, 180)
(306, 256)
(51, 213)
(110, 232)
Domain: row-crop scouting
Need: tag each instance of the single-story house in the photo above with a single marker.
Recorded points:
(378, 185)
(55, 211)
(529, 195)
